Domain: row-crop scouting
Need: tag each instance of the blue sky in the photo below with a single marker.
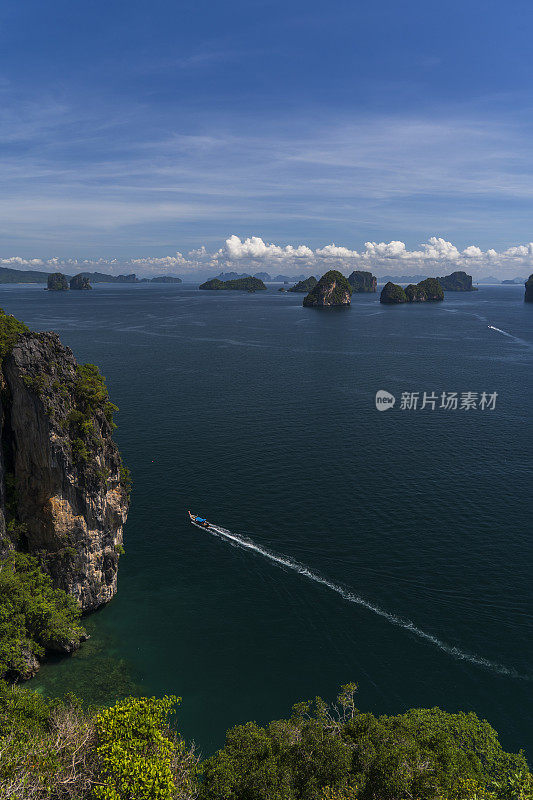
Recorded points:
(130, 131)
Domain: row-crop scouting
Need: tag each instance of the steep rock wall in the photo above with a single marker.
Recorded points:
(69, 493)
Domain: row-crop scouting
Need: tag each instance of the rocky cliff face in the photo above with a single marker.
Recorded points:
(457, 282)
(528, 297)
(80, 282)
(362, 281)
(57, 282)
(64, 489)
(332, 289)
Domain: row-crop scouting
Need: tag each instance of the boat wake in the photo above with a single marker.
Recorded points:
(350, 597)
(505, 333)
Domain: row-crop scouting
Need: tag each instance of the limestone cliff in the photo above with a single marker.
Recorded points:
(362, 281)
(63, 487)
(457, 282)
(57, 282)
(80, 282)
(332, 289)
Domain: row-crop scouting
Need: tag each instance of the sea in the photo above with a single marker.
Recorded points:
(389, 545)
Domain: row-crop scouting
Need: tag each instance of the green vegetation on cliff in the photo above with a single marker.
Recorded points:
(427, 291)
(55, 750)
(304, 286)
(91, 392)
(34, 616)
(332, 289)
(392, 294)
(57, 282)
(10, 330)
(242, 284)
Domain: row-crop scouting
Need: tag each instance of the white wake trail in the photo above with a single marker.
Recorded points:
(407, 625)
(505, 333)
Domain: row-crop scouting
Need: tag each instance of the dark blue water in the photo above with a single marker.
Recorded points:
(406, 535)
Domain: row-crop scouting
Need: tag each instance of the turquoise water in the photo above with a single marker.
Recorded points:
(393, 549)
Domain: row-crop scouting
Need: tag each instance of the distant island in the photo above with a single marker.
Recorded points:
(332, 289)
(162, 279)
(304, 286)
(56, 282)
(9, 275)
(363, 281)
(426, 291)
(528, 297)
(402, 278)
(457, 282)
(232, 276)
(238, 284)
(80, 282)
(262, 276)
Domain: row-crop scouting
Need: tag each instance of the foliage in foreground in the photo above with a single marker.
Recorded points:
(54, 750)
(137, 755)
(340, 753)
(34, 616)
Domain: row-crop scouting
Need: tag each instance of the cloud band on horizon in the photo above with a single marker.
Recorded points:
(254, 254)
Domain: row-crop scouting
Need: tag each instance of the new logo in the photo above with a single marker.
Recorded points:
(384, 400)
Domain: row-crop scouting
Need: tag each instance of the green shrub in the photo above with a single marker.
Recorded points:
(90, 396)
(10, 330)
(125, 478)
(79, 450)
(91, 391)
(136, 752)
(52, 750)
(33, 615)
(323, 753)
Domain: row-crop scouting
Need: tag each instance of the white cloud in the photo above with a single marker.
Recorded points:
(253, 254)
(333, 251)
(255, 247)
(167, 262)
(383, 250)
(472, 251)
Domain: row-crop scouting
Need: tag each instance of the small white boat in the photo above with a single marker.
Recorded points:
(198, 520)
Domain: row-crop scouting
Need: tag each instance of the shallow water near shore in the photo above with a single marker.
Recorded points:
(392, 549)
